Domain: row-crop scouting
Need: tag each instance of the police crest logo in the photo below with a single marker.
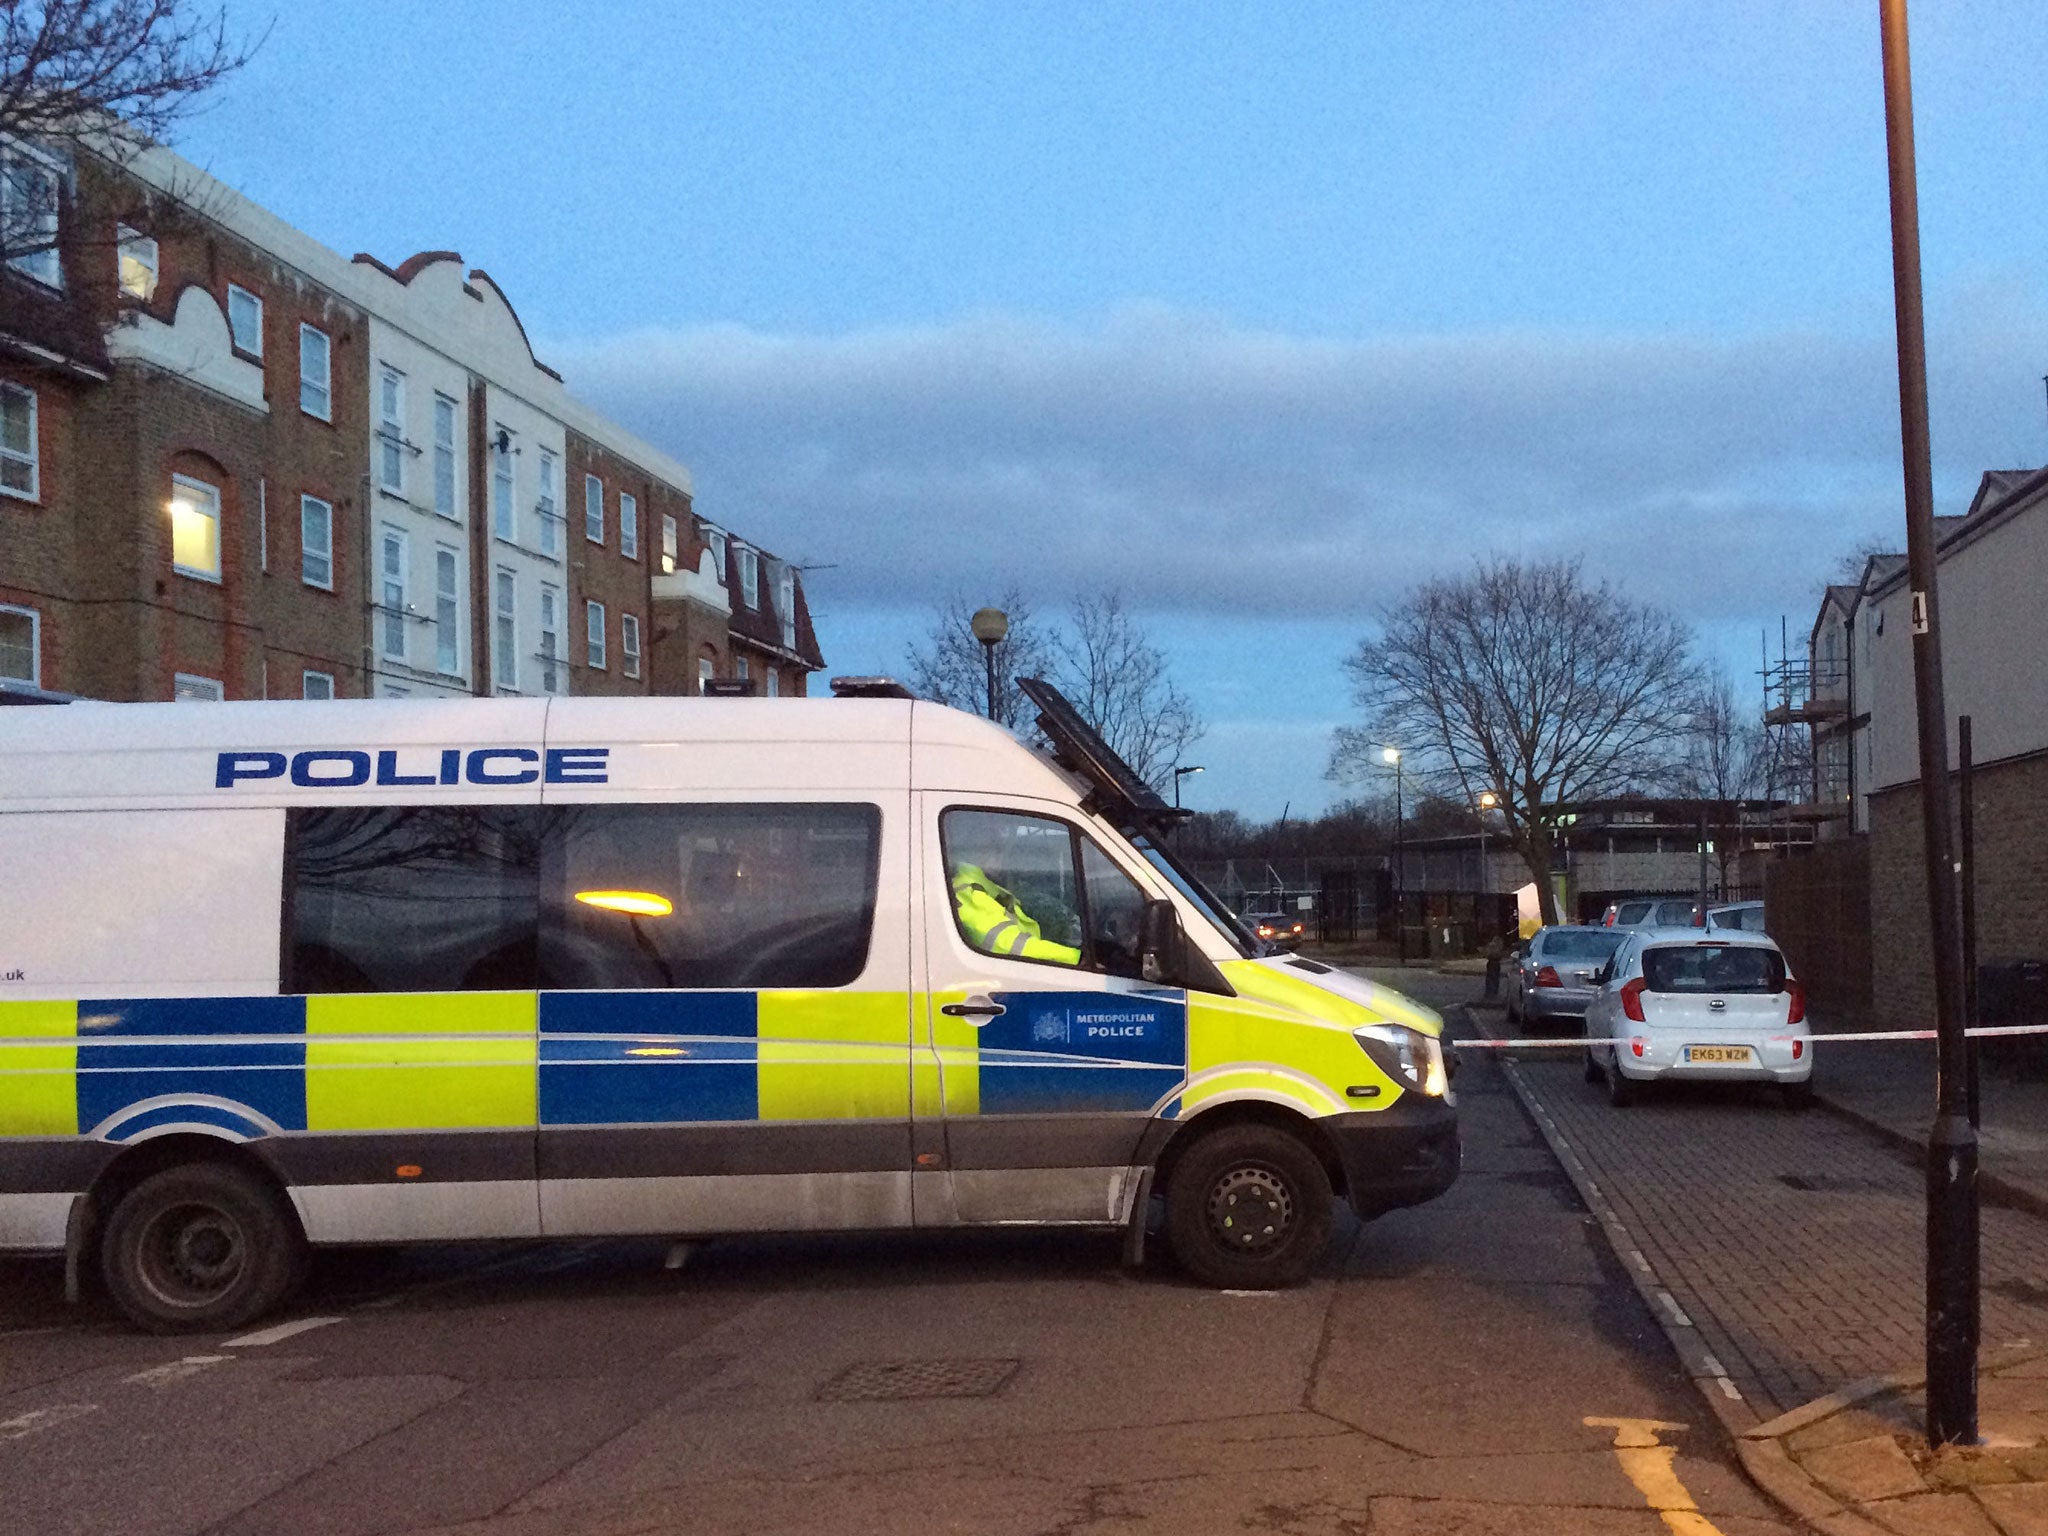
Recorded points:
(1047, 1028)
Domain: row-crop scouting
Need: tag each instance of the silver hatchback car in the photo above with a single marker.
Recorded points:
(1553, 979)
(1714, 1005)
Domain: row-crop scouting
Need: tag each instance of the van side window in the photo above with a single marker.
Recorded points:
(1034, 888)
(736, 895)
(411, 899)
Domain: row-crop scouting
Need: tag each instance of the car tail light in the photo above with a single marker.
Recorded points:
(1297, 927)
(1548, 977)
(1608, 920)
(1798, 1049)
(1632, 1005)
(1795, 990)
(1636, 1045)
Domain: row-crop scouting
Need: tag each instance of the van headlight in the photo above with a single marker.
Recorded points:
(1408, 1056)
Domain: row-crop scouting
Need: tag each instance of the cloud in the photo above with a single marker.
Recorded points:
(1211, 468)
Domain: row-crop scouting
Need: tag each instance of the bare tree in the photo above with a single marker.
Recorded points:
(108, 77)
(950, 668)
(1727, 761)
(1118, 680)
(1526, 680)
(1098, 657)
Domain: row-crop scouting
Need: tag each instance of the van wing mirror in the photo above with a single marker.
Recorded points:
(1167, 959)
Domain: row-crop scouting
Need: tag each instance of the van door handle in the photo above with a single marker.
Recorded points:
(980, 1009)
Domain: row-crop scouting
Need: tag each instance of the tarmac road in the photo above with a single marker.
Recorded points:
(1436, 1377)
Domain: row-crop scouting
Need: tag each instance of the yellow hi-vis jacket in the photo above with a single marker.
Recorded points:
(996, 923)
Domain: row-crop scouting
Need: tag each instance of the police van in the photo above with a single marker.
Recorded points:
(275, 975)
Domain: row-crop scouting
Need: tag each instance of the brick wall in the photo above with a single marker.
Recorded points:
(2012, 884)
(605, 573)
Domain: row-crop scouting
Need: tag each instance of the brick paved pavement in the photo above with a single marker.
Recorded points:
(1794, 1241)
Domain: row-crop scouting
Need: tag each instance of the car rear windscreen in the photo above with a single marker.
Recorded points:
(1581, 943)
(1713, 968)
(1633, 911)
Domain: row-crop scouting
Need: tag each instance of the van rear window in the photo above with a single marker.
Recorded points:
(411, 899)
(1713, 968)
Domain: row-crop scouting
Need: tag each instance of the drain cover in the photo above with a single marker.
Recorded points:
(889, 1381)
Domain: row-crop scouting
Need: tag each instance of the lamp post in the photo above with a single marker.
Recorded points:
(1487, 801)
(990, 625)
(1952, 1234)
(1392, 756)
(1178, 775)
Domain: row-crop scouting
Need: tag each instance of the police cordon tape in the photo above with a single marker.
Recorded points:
(1847, 1037)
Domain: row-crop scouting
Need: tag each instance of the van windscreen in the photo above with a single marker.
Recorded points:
(1713, 968)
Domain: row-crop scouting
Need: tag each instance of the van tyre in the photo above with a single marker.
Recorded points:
(200, 1248)
(1248, 1208)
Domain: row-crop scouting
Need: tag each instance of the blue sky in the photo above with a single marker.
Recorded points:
(1261, 312)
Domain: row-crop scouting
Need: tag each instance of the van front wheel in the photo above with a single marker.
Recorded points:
(1248, 1208)
(199, 1248)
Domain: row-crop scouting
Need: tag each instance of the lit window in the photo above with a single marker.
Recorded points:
(629, 526)
(750, 578)
(447, 613)
(391, 569)
(593, 629)
(20, 460)
(391, 429)
(785, 605)
(316, 685)
(316, 373)
(593, 509)
(550, 639)
(138, 264)
(502, 513)
(550, 520)
(195, 528)
(444, 456)
(629, 644)
(188, 689)
(670, 537)
(21, 659)
(245, 321)
(28, 214)
(505, 630)
(316, 542)
(705, 672)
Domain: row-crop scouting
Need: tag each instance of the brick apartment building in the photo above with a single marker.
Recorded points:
(234, 464)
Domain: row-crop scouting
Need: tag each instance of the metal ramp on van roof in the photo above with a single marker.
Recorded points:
(1115, 789)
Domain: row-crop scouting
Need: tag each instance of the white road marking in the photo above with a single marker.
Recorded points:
(25, 1424)
(278, 1334)
(1677, 1312)
(174, 1370)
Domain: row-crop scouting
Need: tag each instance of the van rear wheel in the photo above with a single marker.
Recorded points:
(200, 1248)
(1248, 1208)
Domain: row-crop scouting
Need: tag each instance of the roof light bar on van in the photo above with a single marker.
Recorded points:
(869, 688)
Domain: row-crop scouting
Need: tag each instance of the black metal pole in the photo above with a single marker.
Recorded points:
(988, 655)
(1400, 871)
(1952, 1142)
(1966, 829)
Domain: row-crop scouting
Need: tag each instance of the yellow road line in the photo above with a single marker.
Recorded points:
(1649, 1466)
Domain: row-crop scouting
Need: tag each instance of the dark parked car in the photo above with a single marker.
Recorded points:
(1282, 929)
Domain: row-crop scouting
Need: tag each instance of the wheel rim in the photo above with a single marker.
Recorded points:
(1251, 1209)
(191, 1255)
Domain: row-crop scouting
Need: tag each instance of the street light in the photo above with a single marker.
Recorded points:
(1487, 801)
(990, 625)
(1178, 775)
(1392, 756)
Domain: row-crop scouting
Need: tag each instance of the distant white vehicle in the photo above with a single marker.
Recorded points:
(1651, 912)
(1720, 1006)
(1746, 916)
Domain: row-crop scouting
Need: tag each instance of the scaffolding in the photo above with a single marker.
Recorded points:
(1806, 758)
